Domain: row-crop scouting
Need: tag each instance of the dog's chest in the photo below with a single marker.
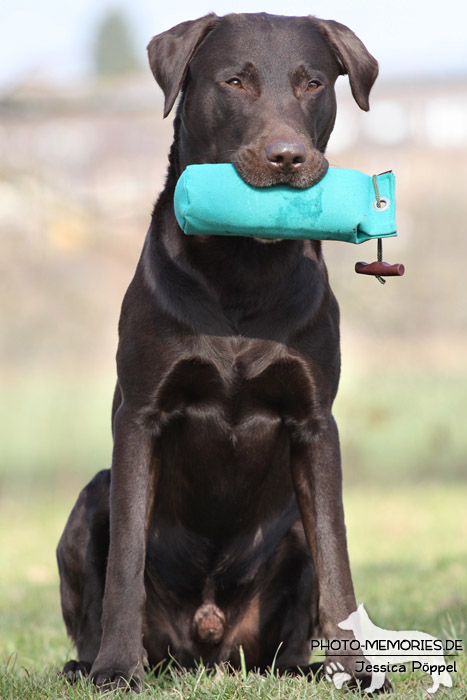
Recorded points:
(226, 418)
(236, 380)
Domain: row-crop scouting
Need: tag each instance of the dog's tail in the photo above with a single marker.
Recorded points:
(209, 624)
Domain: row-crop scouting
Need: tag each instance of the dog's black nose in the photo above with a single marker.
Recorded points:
(284, 156)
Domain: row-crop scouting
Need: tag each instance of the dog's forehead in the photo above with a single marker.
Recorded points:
(272, 41)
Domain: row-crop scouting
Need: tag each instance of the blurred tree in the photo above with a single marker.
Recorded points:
(114, 53)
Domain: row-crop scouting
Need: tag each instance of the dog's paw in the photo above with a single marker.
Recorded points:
(335, 673)
(117, 677)
(116, 680)
(74, 670)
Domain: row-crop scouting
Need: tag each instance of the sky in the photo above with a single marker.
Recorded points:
(53, 38)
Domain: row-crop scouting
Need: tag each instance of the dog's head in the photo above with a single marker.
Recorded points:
(258, 91)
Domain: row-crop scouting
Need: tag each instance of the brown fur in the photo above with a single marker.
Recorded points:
(226, 522)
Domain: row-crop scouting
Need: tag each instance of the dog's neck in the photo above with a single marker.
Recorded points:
(230, 283)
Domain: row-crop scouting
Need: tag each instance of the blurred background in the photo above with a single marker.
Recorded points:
(83, 153)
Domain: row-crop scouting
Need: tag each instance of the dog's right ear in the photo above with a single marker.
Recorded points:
(171, 52)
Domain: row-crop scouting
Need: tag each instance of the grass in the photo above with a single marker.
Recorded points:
(404, 454)
(53, 425)
(407, 549)
(404, 427)
(394, 427)
(199, 685)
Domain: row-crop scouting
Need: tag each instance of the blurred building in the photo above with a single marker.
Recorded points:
(425, 114)
(81, 166)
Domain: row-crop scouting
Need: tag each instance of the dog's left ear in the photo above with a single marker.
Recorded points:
(355, 60)
(171, 52)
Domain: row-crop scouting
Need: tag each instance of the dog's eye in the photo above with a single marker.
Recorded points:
(312, 85)
(234, 82)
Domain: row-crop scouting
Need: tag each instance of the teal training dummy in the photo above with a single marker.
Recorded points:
(213, 199)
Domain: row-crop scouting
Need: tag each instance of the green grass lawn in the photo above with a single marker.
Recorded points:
(394, 426)
(404, 453)
(408, 553)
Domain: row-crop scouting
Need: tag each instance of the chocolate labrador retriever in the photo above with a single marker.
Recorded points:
(220, 524)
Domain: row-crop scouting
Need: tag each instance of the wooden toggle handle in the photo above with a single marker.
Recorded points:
(382, 269)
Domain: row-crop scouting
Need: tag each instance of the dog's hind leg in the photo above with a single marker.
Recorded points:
(82, 557)
(289, 606)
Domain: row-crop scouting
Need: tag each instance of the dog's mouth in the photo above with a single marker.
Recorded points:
(258, 172)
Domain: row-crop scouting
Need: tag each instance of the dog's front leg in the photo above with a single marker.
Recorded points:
(133, 477)
(317, 478)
